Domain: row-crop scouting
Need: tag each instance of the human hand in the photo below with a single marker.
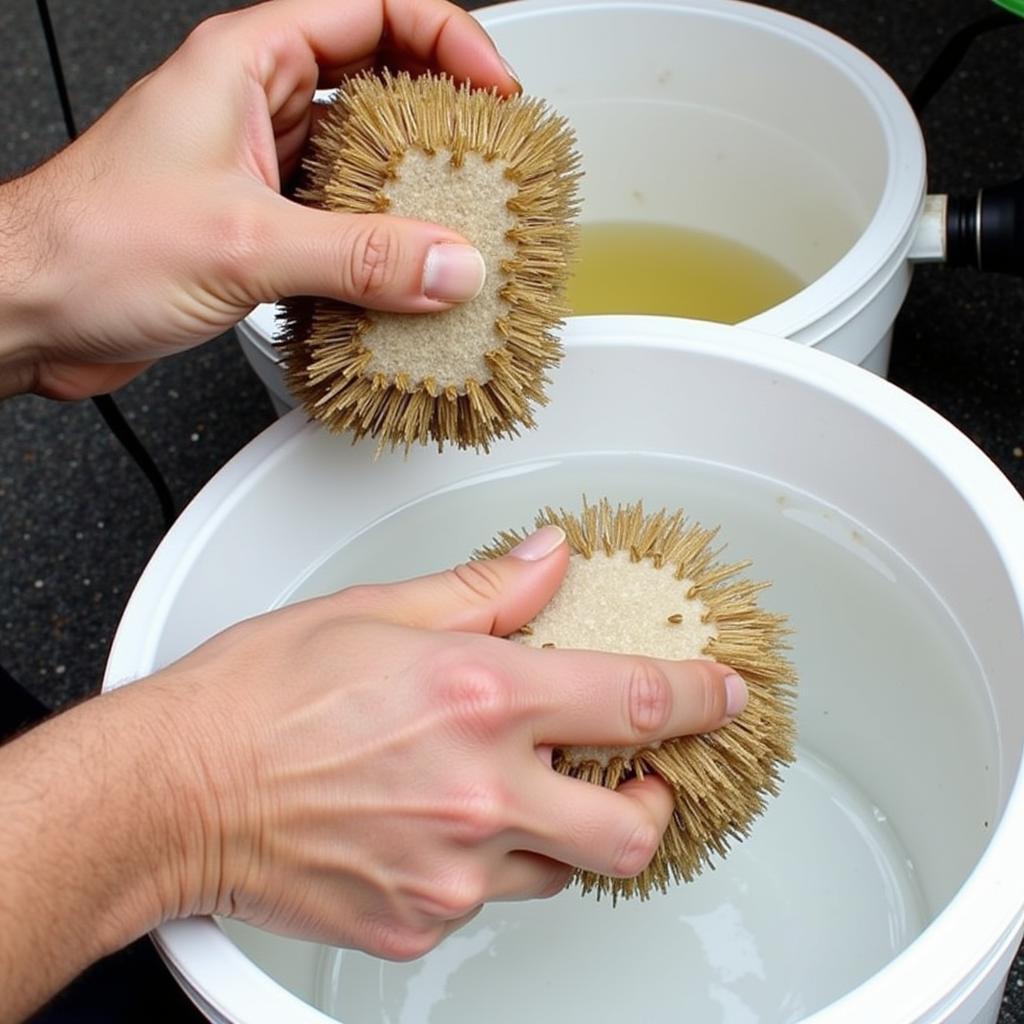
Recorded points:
(378, 763)
(163, 225)
(365, 769)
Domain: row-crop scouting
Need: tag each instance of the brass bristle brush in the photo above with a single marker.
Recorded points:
(501, 172)
(650, 584)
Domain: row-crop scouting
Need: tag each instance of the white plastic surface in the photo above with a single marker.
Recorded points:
(633, 384)
(735, 119)
(929, 244)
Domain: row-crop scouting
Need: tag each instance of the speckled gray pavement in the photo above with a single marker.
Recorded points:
(78, 522)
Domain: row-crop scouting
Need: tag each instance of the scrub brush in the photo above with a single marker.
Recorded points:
(650, 584)
(501, 172)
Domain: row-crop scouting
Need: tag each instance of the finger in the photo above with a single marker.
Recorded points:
(397, 61)
(291, 142)
(494, 596)
(372, 260)
(584, 698)
(609, 832)
(425, 33)
(393, 60)
(444, 37)
(428, 33)
(518, 875)
(528, 876)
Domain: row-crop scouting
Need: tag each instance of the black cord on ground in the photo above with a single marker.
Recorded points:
(120, 428)
(57, 69)
(19, 709)
(949, 57)
(106, 405)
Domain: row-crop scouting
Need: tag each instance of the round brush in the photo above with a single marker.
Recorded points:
(651, 585)
(501, 172)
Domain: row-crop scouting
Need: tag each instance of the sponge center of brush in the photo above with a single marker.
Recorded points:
(449, 348)
(619, 605)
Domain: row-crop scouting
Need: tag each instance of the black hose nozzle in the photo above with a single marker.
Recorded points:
(987, 230)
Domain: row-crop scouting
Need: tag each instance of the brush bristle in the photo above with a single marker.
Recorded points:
(720, 779)
(370, 136)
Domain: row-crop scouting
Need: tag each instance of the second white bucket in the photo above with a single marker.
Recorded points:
(884, 885)
(736, 120)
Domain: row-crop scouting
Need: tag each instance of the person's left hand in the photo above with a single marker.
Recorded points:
(164, 224)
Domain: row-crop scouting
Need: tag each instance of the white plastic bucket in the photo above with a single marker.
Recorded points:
(871, 480)
(737, 120)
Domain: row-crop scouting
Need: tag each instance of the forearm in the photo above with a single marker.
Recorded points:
(91, 842)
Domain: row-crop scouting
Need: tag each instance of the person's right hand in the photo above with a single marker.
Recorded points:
(375, 765)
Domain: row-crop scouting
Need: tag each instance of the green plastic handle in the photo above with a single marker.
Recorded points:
(1016, 6)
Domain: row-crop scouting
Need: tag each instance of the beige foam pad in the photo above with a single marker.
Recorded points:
(613, 604)
(450, 346)
(610, 603)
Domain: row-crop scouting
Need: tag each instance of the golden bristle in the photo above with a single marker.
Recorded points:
(375, 123)
(720, 779)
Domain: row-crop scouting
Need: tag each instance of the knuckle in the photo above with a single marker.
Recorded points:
(649, 699)
(637, 851)
(559, 878)
(456, 896)
(479, 812)
(371, 260)
(477, 698)
(241, 240)
(479, 581)
(401, 942)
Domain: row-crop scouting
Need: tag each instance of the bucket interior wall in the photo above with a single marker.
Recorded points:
(937, 762)
(708, 122)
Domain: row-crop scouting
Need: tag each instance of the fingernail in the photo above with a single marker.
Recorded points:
(453, 272)
(539, 545)
(735, 695)
(511, 72)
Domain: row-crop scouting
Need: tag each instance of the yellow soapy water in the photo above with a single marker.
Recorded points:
(661, 269)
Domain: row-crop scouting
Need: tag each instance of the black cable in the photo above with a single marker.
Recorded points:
(19, 709)
(106, 405)
(949, 57)
(57, 68)
(121, 429)
(984, 230)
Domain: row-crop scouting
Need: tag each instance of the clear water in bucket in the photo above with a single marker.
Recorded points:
(879, 821)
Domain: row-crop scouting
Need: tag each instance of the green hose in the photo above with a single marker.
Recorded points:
(1016, 6)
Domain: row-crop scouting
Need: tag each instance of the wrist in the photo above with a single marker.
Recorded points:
(84, 828)
(207, 774)
(30, 290)
(111, 822)
(158, 798)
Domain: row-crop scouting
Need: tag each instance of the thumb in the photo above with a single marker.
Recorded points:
(494, 596)
(370, 259)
